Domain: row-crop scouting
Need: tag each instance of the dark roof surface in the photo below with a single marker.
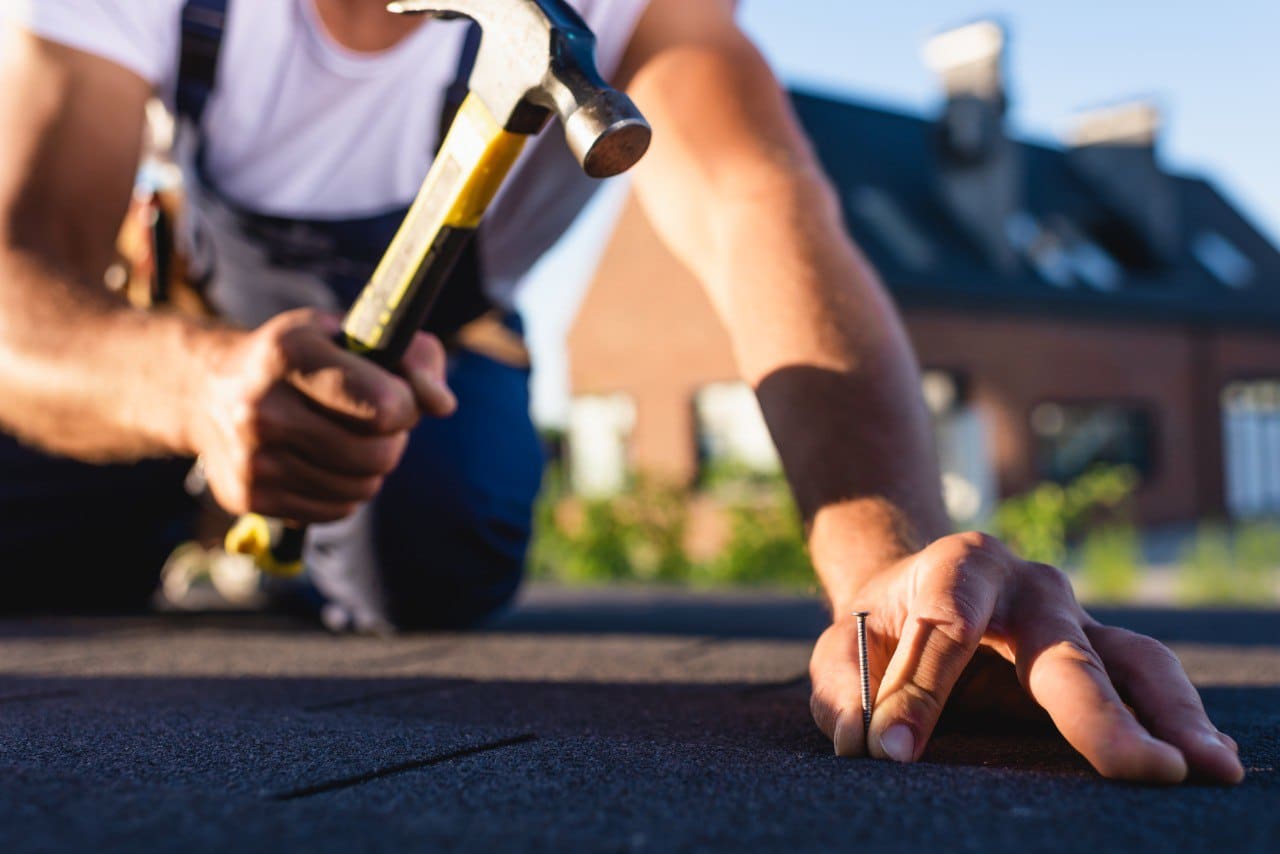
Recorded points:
(584, 721)
(863, 146)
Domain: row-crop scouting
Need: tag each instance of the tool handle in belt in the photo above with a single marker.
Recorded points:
(474, 160)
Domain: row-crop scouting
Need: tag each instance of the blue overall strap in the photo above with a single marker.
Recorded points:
(463, 298)
(457, 91)
(203, 25)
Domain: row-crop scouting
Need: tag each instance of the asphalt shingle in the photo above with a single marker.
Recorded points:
(599, 721)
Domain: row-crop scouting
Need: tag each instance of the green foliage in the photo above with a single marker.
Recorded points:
(1039, 524)
(766, 546)
(639, 536)
(732, 479)
(1219, 569)
(1110, 558)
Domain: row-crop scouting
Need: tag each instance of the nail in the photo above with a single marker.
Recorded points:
(838, 740)
(864, 671)
(898, 743)
(1219, 741)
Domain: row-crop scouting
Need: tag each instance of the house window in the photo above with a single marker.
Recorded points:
(968, 478)
(1251, 445)
(1071, 438)
(599, 429)
(732, 435)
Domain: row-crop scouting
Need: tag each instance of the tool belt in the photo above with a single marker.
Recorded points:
(153, 272)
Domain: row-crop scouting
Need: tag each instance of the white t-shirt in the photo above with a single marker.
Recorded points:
(300, 127)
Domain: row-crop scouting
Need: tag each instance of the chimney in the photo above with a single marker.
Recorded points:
(1114, 150)
(980, 168)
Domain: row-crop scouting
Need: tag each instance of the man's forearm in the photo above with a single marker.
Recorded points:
(86, 376)
(734, 189)
(816, 335)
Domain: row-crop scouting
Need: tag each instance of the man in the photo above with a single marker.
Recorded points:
(310, 137)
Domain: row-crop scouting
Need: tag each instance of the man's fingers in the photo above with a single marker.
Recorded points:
(1063, 672)
(956, 599)
(836, 702)
(1154, 683)
(283, 469)
(281, 504)
(424, 369)
(323, 442)
(346, 385)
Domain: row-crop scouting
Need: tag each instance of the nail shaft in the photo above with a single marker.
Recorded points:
(864, 671)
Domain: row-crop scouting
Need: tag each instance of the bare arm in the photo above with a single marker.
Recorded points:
(83, 374)
(734, 190)
(288, 424)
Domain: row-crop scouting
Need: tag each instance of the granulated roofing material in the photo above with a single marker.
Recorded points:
(606, 720)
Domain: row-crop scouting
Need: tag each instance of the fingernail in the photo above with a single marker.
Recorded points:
(898, 743)
(837, 741)
(1218, 741)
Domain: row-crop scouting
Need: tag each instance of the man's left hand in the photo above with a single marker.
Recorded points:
(966, 622)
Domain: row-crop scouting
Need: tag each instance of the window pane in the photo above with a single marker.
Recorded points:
(1070, 438)
(1251, 439)
(731, 429)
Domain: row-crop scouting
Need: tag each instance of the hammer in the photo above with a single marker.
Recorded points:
(536, 60)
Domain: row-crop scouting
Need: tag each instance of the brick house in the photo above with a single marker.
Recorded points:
(1070, 305)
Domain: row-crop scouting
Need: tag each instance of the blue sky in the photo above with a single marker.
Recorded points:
(1212, 65)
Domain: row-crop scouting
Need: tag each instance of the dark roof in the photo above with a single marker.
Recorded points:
(597, 720)
(863, 146)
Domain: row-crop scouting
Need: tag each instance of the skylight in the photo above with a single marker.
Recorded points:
(1061, 254)
(893, 227)
(1041, 248)
(1223, 259)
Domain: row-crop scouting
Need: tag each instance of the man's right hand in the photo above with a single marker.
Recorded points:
(290, 425)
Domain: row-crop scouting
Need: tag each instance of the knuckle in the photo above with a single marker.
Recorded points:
(957, 618)
(967, 546)
(275, 350)
(391, 403)
(924, 702)
(978, 543)
(1080, 653)
(1129, 644)
(1052, 581)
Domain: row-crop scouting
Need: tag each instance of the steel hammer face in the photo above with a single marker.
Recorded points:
(536, 59)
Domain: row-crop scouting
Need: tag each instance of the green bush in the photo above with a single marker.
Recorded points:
(1040, 523)
(639, 536)
(1219, 569)
(1110, 558)
(766, 546)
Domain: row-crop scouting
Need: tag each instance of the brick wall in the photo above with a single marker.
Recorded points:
(646, 329)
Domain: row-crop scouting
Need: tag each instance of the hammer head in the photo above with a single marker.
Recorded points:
(536, 59)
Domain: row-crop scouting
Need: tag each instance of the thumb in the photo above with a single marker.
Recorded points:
(423, 366)
(836, 702)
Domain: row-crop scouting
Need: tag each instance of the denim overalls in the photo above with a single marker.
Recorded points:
(443, 545)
